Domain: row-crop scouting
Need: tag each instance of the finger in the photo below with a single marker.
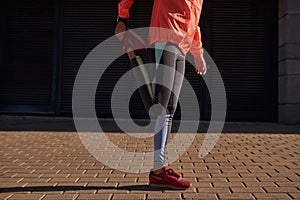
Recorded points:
(198, 72)
(201, 71)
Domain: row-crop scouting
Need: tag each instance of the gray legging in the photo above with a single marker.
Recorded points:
(166, 94)
(166, 78)
(168, 82)
(167, 86)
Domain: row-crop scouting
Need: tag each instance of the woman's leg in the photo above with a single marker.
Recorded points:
(177, 83)
(162, 129)
(141, 78)
(167, 91)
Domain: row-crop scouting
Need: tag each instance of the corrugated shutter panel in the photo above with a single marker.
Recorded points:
(26, 64)
(238, 38)
(86, 24)
(140, 17)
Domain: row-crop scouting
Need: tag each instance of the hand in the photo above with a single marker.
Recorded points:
(201, 67)
(119, 31)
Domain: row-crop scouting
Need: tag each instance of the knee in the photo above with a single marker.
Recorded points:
(156, 110)
(171, 109)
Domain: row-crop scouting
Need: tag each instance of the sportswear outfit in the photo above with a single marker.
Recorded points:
(181, 17)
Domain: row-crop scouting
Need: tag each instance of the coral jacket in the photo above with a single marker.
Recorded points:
(179, 16)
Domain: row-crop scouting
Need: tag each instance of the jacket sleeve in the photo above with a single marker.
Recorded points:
(196, 47)
(124, 7)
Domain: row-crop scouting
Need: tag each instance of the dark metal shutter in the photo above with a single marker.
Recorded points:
(242, 45)
(26, 54)
(140, 17)
(237, 40)
(87, 24)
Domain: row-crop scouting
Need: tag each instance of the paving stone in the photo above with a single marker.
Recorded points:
(94, 196)
(5, 195)
(60, 196)
(173, 195)
(206, 196)
(238, 196)
(26, 196)
(55, 165)
(128, 196)
(268, 196)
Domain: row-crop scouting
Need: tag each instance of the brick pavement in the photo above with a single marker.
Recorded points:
(55, 165)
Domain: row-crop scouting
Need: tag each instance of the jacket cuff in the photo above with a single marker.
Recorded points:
(123, 12)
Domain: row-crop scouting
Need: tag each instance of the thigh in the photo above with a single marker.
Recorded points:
(165, 75)
(177, 84)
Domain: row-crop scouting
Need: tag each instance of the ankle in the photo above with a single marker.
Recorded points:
(158, 171)
(157, 168)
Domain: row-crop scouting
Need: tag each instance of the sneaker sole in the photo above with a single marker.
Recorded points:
(166, 186)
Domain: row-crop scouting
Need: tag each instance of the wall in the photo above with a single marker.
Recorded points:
(289, 62)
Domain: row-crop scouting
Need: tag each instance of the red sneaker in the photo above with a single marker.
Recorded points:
(169, 179)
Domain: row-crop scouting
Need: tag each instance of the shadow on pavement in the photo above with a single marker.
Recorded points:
(78, 188)
(66, 124)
